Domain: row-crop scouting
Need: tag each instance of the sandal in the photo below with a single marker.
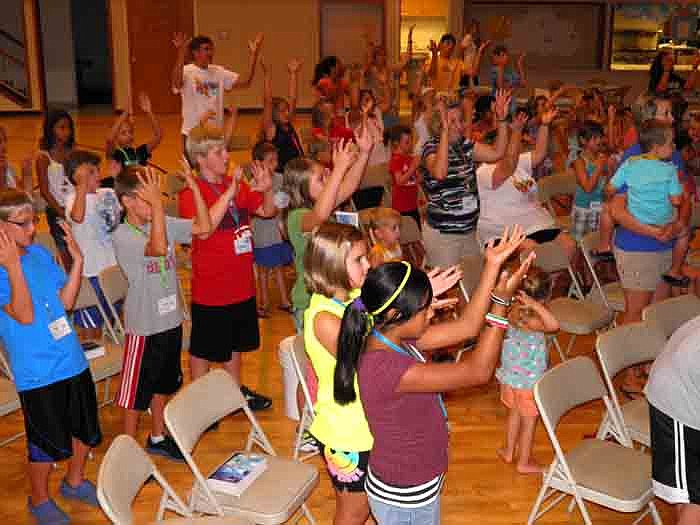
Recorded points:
(678, 282)
(603, 256)
(286, 308)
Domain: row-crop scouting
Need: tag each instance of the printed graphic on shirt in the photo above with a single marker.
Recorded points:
(207, 88)
(343, 465)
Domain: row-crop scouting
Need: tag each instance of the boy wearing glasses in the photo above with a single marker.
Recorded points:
(49, 367)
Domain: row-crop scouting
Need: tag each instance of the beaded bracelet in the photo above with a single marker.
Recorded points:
(497, 321)
(500, 301)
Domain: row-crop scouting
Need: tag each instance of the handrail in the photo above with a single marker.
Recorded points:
(11, 58)
(12, 38)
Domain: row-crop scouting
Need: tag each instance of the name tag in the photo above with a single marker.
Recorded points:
(59, 328)
(243, 240)
(167, 304)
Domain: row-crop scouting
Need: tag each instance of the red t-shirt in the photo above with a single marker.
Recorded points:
(404, 197)
(220, 276)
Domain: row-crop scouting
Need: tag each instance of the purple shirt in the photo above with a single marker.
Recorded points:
(409, 429)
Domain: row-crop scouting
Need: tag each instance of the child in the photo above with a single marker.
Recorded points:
(444, 70)
(223, 284)
(145, 248)
(56, 144)
(524, 359)
(328, 83)
(271, 252)
(50, 371)
(424, 107)
(403, 168)
(93, 214)
(691, 153)
(504, 77)
(384, 232)
(653, 190)
(409, 456)
(121, 138)
(202, 84)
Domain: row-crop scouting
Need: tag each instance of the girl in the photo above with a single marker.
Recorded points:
(403, 168)
(523, 361)
(385, 233)
(328, 82)
(398, 387)
(278, 116)
(424, 107)
(56, 144)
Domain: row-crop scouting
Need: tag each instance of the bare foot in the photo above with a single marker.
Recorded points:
(531, 467)
(503, 454)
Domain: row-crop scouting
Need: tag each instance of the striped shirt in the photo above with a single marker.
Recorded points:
(453, 203)
(404, 497)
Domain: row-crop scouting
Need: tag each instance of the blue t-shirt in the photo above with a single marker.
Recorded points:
(650, 183)
(36, 359)
(582, 198)
(636, 149)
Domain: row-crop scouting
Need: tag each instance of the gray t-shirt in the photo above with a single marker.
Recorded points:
(674, 381)
(152, 303)
(266, 232)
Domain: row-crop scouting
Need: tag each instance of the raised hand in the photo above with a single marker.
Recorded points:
(262, 178)
(508, 283)
(294, 65)
(519, 121)
(443, 280)
(433, 47)
(71, 243)
(466, 40)
(181, 41)
(185, 174)
(344, 154)
(263, 65)
(521, 59)
(502, 104)
(549, 115)
(367, 136)
(149, 189)
(484, 45)
(9, 254)
(254, 45)
(512, 237)
(442, 109)
(145, 103)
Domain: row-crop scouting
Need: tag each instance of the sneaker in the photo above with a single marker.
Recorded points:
(255, 401)
(308, 443)
(48, 513)
(85, 492)
(166, 448)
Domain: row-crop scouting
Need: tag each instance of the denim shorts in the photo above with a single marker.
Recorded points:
(386, 514)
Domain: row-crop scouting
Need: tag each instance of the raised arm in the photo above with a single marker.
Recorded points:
(69, 292)
(484, 152)
(114, 131)
(436, 163)
(476, 65)
(432, 69)
(181, 43)
(77, 212)
(368, 136)
(149, 191)
(293, 66)
(20, 306)
(156, 130)
(254, 51)
(521, 70)
(268, 123)
(42, 171)
(542, 144)
(231, 123)
(506, 166)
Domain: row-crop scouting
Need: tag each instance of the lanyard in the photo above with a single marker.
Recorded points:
(161, 259)
(412, 352)
(232, 209)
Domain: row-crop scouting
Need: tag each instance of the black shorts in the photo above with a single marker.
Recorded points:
(56, 413)
(218, 331)
(675, 453)
(543, 236)
(151, 366)
(347, 470)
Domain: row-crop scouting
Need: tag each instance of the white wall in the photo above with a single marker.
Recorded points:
(59, 58)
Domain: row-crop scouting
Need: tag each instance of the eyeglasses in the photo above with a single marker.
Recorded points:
(25, 224)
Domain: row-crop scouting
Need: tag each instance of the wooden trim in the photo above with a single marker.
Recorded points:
(35, 33)
(110, 47)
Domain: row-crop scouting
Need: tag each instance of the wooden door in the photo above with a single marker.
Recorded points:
(152, 24)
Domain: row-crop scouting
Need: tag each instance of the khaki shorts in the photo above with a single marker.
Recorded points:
(642, 270)
(447, 249)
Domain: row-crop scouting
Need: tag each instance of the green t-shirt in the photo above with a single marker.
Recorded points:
(300, 295)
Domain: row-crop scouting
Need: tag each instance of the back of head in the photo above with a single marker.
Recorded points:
(12, 201)
(537, 284)
(653, 133)
(76, 159)
(325, 259)
(395, 133)
(500, 50)
(262, 149)
(295, 183)
(382, 216)
(201, 139)
(127, 181)
(324, 68)
(590, 129)
(448, 38)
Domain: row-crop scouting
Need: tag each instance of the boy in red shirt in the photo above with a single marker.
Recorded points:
(403, 168)
(224, 313)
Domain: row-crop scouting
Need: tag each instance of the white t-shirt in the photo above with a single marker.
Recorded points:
(60, 185)
(507, 205)
(203, 90)
(94, 234)
(422, 134)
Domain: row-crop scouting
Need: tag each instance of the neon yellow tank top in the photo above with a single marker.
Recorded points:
(342, 427)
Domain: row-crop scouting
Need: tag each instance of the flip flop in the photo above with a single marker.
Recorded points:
(677, 282)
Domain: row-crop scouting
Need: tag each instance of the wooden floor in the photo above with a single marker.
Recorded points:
(479, 489)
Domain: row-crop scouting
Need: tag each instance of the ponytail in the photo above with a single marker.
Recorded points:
(351, 344)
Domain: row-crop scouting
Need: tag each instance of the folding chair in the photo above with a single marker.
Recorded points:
(671, 314)
(278, 494)
(115, 286)
(617, 349)
(551, 186)
(412, 240)
(604, 472)
(295, 347)
(117, 486)
(472, 265)
(576, 317)
(610, 293)
(87, 297)
(375, 188)
(9, 403)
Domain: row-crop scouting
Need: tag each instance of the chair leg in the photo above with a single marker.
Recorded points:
(582, 508)
(307, 514)
(558, 347)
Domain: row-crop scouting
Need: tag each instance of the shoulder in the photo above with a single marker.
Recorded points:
(37, 250)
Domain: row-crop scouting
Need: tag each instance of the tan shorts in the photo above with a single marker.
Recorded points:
(642, 270)
(447, 249)
(519, 399)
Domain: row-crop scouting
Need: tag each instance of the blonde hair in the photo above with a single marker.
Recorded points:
(435, 121)
(381, 217)
(325, 260)
(538, 285)
(202, 139)
(12, 201)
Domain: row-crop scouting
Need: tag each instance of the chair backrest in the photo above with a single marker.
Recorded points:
(588, 243)
(410, 232)
(550, 257)
(5, 362)
(300, 361)
(377, 175)
(670, 314)
(628, 345)
(200, 404)
(114, 284)
(123, 471)
(567, 385)
(86, 296)
(472, 265)
(556, 184)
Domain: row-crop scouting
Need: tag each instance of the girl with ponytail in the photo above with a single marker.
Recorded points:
(382, 334)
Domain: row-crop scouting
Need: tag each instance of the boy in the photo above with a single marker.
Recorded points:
(653, 189)
(145, 248)
(93, 214)
(202, 84)
(403, 167)
(224, 315)
(503, 77)
(385, 233)
(121, 137)
(49, 367)
(444, 70)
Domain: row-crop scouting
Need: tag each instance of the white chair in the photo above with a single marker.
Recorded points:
(551, 186)
(610, 293)
(603, 472)
(277, 495)
(107, 366)
(618, 349)
(115, 287)
(412, 240)
(670, 314)
(87, 298)
(124, 470)
(9, 403)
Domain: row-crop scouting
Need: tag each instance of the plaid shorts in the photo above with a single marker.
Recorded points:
(583, 221)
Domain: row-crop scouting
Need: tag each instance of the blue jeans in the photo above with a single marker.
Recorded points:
(390, 515)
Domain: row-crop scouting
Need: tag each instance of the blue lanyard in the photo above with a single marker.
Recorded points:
(414, 354)
(231, 207)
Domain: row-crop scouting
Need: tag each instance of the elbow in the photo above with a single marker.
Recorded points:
(26, 318)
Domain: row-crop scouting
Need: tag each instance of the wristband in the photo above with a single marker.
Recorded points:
(497, 321)
(501, 301)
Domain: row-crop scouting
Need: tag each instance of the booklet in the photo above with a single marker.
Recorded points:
(93, 350)
(237, 473)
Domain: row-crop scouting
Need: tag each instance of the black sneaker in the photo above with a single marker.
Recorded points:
(166, 448)
(256, 401)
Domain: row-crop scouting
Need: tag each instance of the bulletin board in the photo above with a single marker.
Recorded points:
(568, 36)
